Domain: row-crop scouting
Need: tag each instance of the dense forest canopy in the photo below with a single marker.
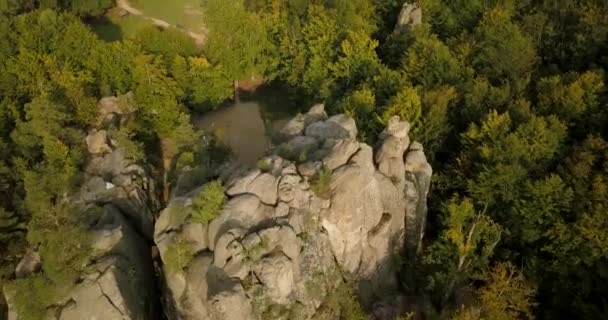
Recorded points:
(508, 98)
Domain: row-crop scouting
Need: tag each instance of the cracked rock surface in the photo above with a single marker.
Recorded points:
(323, 207)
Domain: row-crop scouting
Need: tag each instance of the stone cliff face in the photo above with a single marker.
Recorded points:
(119, 283)
(322, 208)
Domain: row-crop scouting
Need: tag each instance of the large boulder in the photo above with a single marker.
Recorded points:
(120, 285)
(288, 235)
(410, 16)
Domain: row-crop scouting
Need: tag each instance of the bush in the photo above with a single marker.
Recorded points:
(208, 203)
(185, 159)
(320, 185)
(178, 255)
(342, 303)
(264, 165)
(32, 296)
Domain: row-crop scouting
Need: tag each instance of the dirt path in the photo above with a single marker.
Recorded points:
(199, 38)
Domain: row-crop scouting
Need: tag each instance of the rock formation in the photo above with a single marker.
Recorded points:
(321, 208)
(119, 283)
(410, 15)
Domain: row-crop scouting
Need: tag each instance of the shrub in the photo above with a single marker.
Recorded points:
(342, 303)
(321, 183)
(208, 203)
(186, 159)
(178, 255)
(264, 165)
(256, 251)
(125, 139)
(284, 151)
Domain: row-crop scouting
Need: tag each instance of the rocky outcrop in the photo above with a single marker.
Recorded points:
(410, 15)
(119, 282)
(323, 207)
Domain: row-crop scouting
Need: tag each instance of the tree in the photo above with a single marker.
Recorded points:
(463, 249)
(206, 86)
(506, 295)
(502, 52)
(167, 43)
(429, 62)
(157, 101)
(406, 104)
(237, 39)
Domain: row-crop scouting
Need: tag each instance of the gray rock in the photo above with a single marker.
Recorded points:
(97, 142)
(294, 127)
(410, 15)
(337, 127)
(340, 153)
(309, 169)
(244, 211)
(418, 178)
(29, 264)
(276, 245)
(315, 114)
(277, 274)
(262, 185)
(298, 147)
(119, 281)
(356, 208)
(395, 141)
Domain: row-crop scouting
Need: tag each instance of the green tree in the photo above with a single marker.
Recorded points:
(237, 39)
(463, 249)
(502, 52)
(429, 62)
(506, 295)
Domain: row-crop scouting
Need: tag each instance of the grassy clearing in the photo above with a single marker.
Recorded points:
(186, 14)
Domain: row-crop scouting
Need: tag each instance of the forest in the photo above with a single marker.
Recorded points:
(507, 97)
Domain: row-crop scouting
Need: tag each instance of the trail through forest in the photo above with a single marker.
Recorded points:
(199, 38)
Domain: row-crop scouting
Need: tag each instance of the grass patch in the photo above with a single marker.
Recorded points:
(208, 203)
(186, 14)
(321, 183)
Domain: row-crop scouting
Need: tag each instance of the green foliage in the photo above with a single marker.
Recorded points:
(256, 251)
(178, 255)
(264, 165)
(429, 62)
(237, 39)
(406, 104)
(342, 303)
(463, 249)
(507, 97)
(506, 295)
(570, 101)
(503, 53)
(206, 86)
(168, 43)
(434, 126)
(185, 159)
(125, 139)
(32, 296)
(208, 203)
(322, 183)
